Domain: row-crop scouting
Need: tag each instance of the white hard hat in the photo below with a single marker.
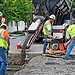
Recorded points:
(4, 25)
(65, 25)
(52, 16)
(1, 13)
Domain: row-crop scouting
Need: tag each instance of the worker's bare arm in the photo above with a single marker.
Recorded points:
(49, 32)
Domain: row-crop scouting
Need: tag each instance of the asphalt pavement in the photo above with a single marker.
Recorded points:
(35, 48)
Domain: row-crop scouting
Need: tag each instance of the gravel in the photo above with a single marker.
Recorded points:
(42, 65)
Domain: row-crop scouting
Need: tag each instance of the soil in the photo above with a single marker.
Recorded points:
(14, 64)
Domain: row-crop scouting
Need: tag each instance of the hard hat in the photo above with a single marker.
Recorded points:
(4, 25)
(52, 16)
(1, 13)
(65, 25)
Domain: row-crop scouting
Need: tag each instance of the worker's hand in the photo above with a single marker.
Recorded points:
(50, 36)
(49, 32)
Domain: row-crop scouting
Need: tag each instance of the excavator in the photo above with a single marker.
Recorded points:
(43, 9)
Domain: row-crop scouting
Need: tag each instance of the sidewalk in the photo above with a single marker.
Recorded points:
(15, 38)
(42, 65)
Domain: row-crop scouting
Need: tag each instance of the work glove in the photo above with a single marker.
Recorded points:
(50, 36)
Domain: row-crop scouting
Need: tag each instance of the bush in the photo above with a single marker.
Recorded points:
(18, 32)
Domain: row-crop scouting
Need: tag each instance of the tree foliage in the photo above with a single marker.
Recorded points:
(73, 3)
(16, 9)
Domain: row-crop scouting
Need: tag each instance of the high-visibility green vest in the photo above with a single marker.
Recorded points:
(71, 31)
(2, 21)
(3, 42)
(45, 30)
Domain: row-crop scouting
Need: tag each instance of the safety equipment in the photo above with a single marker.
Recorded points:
(2, 21)
(1, 13)
(3, 42)
(52, 16)
(65, 25)
(50, 36)
(4, 25)
(45, 30)
(71, 31)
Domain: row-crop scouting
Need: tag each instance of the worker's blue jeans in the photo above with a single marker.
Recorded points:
(3, 61)
(44, 46)
(71, 45)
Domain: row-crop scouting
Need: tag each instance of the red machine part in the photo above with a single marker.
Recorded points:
(18, 45)
(36, 34)
(33, 39)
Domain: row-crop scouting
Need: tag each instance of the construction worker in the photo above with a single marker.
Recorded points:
(70, 33)
(47, 29)
(4, 43)
(2, 20)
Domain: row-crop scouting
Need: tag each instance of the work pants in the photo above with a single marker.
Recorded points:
(3, 61)
(44, 46)
(71, 45)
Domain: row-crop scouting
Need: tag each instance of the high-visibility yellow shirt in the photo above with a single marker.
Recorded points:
(67, 35)
(47, 27)
(71, 31)
(3, 35)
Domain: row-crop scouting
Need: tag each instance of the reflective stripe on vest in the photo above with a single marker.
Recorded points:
(3, 42)
(3, 20)
(45, 26)
(2, 37)
(71, 33)
(73, 36)
(45, 30)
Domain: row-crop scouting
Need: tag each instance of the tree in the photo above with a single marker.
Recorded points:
(73, 3)
(16, 10)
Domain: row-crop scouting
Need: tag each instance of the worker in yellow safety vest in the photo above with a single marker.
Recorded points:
(4, 43)
(47, 29)
(70, 33)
